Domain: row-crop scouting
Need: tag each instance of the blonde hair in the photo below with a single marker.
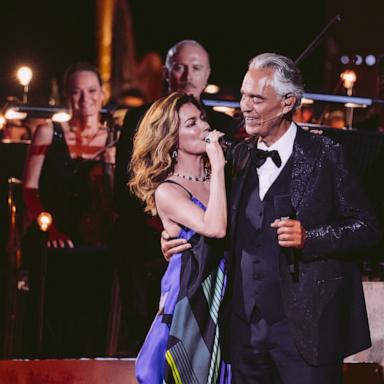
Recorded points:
(155, 140)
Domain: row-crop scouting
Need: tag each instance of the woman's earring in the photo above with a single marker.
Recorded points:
(174, 155)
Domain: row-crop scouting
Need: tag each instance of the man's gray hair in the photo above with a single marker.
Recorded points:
(173, 50)
(287, 77)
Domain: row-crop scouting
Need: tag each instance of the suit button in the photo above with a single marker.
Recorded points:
(260, 214)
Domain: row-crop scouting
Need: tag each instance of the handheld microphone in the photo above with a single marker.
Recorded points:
(284, 211)
(226, 145)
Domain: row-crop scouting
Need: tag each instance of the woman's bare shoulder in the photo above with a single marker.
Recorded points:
(170, 188)
(43, 134)
(170, 192)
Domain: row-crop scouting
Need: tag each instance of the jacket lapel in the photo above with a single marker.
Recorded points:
(305, 153)
(304, 158)
(242, 161)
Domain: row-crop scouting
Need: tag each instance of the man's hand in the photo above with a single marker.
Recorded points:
(171, 246)
(290, 233)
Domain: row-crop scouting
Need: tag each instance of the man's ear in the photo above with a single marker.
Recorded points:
(289, 103)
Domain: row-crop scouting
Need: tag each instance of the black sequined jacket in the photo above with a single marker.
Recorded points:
(325, 306)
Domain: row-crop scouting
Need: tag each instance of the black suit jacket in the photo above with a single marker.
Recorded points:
(325, 307)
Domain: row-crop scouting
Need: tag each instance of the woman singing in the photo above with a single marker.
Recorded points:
(178, 172)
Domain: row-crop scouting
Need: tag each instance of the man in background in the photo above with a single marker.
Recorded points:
(140, 264)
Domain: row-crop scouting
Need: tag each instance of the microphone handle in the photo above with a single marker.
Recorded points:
(226, 146)
(291, 260)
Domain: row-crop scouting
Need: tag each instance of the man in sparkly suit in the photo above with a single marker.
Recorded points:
(297, 216)
(294, 306)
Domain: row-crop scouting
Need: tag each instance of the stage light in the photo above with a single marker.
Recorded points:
(370, 60)
(2, 121)
(24, 75)
(13, 114)
(349, 79)
(44, 221)
(305, 101)
(344, 59)
(358, 59)
(212, 89)
(228, 110)
(61, 117)
(353, 105)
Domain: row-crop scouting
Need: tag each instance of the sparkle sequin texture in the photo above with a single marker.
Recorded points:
(325, 306)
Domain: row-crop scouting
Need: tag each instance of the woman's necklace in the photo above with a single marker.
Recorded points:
(81, 146)
(203, 178)
(86, 140)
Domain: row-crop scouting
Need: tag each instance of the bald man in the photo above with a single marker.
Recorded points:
(136, 236)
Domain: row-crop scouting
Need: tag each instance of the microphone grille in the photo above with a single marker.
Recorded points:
(283, 206)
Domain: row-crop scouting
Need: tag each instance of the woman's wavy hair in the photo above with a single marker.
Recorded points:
(156, 139)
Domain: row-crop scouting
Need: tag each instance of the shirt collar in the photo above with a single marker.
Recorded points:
(284, 145)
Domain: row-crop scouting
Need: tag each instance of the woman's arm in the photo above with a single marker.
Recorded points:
(41, 141)
(175, 204)
(40, 144)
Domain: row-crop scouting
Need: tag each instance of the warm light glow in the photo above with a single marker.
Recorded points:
(24, 75)
(212, 88)
(353, 105)
(61, 117)
(305, 101)
(349, 78)
(44, 221)
(13, 114)
(132, 101)
(2, 121)
(228, 110)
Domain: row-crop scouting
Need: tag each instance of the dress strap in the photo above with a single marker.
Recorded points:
(176, 183)
(58, 133)
(59, 144)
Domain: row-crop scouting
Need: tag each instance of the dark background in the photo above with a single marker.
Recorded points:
(50, 35)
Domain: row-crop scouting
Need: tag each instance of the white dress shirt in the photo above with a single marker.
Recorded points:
(269, 172)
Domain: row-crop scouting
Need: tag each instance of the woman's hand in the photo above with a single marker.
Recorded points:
(214, 150)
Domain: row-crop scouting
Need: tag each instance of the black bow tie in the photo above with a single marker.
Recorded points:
(261, 157)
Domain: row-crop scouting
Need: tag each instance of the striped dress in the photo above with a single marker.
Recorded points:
(182, 345)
